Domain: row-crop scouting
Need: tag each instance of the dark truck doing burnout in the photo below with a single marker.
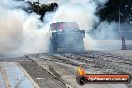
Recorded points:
(66, 37)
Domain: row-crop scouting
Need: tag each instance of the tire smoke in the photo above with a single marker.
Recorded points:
(23, 33)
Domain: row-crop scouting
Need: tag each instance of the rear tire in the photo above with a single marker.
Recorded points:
(53, 46)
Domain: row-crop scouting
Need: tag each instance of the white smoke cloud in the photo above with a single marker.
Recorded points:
(80, 11)
(36, 40)
(83, 17)
(107, 30)
(19, 32)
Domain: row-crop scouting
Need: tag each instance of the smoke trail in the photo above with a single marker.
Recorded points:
(107, 30)
(23, 33)
(19, 31)
(82, 12)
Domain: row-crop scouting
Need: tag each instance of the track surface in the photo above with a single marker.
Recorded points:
(59, 70)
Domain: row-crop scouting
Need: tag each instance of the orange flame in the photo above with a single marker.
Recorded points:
(81, 71)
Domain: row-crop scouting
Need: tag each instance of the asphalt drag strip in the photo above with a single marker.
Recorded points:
(13, 75)
(41, 76)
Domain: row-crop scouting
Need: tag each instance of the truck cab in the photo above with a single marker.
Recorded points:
(66, 37)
